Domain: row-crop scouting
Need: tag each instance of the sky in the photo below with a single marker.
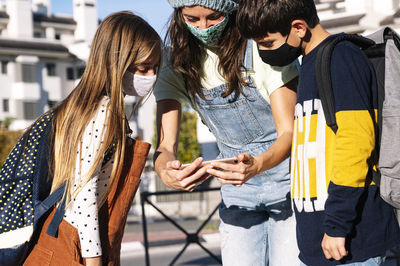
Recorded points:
(155, 12)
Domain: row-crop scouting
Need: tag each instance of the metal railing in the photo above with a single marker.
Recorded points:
(191, 238)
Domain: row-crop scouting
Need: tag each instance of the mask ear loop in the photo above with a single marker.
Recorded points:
(287, 38)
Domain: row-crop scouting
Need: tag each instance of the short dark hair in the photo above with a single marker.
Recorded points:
(256, 18)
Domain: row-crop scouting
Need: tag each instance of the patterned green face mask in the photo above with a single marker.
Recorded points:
(209, 36)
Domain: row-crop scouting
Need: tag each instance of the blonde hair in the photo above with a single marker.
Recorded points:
(122, 39)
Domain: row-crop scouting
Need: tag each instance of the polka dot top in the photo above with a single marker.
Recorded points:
(82, 213)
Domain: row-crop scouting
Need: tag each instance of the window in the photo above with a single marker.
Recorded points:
(28, 73)
(37, 34)
(80, 72)
(4, 67)
(57, 36)
(70, 73)
(6, 106)
(51, 69)
(30, 110)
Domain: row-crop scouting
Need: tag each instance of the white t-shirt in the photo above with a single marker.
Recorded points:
(82, 213)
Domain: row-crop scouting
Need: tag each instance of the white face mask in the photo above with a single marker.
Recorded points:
(137, 85)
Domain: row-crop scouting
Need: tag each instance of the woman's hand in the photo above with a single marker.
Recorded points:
(236, 174)
(187, 178)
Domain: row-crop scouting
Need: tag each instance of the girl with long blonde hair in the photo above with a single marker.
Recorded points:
(124, 59)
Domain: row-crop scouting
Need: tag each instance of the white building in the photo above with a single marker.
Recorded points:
(42, 56)
(358, 16)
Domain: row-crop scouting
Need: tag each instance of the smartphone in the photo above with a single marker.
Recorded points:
(231, 160)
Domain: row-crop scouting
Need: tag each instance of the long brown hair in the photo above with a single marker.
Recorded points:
(188, 54)
(122, 39)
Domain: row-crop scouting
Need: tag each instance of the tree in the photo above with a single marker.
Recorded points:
(188, 147)
(8, 139)
(4, 125)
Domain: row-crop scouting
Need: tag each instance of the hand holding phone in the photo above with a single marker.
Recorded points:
(231, 160)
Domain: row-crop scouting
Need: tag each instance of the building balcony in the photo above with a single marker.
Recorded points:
(25, 91)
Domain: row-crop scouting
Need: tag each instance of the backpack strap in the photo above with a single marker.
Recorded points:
(47, 204)
(323, 73)
(57, 218)
(50, 201)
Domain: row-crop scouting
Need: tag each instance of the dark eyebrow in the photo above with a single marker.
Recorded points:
(147, 65)
(189, 16)
(219, 13)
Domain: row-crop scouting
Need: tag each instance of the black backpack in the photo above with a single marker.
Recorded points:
(377, 48)
(24, 193)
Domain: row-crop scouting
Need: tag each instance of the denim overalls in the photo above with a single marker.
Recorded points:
(250, 214)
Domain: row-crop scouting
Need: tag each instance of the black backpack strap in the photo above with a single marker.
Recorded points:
(323, 73)
(324, 82)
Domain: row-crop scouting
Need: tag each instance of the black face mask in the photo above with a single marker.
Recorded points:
(282, 56)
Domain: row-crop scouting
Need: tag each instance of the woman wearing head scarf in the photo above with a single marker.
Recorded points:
(249, 107)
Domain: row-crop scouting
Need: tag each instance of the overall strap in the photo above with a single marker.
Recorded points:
(248, 56)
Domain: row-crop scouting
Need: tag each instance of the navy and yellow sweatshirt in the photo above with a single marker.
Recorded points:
(332, 190)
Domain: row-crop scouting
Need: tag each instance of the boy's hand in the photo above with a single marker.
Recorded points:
(333, 247)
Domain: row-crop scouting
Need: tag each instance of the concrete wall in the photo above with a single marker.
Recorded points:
(20, 23)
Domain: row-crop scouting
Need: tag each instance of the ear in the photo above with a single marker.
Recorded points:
(299, 26)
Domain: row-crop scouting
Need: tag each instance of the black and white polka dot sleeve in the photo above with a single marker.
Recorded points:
(83, 211)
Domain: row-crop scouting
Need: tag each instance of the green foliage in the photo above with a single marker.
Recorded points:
(8, 139)
(6, 123)
(188, 147)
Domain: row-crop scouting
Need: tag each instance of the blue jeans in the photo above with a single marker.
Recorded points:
(377, 261)
(258, 237)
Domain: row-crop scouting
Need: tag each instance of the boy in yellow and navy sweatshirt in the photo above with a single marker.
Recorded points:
(341, 218)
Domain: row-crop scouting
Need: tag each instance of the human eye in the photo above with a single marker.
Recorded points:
(266, 44)
(215, 16)
(144, 70)
(191, 19)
